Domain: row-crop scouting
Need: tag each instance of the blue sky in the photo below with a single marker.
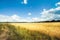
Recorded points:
(27, 9)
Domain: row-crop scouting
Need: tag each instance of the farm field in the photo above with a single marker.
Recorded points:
(30, 31)
(52, 29)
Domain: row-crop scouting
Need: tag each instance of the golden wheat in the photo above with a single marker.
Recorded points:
(52, 29)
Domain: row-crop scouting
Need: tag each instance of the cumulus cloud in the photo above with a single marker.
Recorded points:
(35, 19)
(16, 18)
(24, 2)
(46, 15)
(29, 14)
(13, 18)
(51, 14)
(57, 4)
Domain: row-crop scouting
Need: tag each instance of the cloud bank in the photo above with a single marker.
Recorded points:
(46, 15)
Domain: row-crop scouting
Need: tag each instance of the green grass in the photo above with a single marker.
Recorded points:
(23, 34)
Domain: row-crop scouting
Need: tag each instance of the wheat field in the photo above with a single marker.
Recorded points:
(51, 28)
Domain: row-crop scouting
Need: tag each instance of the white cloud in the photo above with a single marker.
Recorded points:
(45, 15)
(24, 2)
(51, 14)
(29, 14)
(13, 18)
(5, 18)
(57, 4)
(35, 19)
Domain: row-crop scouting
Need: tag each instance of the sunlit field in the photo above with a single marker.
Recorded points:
(52, 29)
(30, 31)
